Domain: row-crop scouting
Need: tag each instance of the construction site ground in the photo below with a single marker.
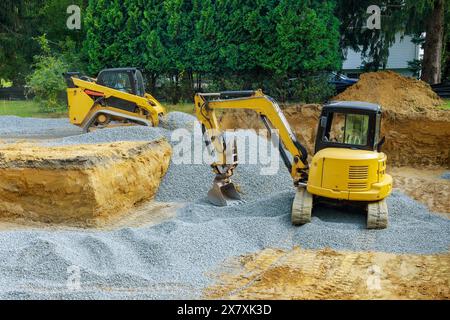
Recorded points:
(171, 243)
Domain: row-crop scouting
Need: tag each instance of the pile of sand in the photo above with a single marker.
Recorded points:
(393, 92)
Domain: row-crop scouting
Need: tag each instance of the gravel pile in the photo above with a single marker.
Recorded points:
(172, 260)
(12, 126)
(132, 133)
(175, 120)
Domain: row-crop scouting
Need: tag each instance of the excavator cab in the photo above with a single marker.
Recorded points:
(348, 165)
(349, 124)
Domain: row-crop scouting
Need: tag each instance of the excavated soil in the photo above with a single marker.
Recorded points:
(417, 132)
(393, 92)
(424, 185)
(79, 185)
(411, 139)
(328, 274)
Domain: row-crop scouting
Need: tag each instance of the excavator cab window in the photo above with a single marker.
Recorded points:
(348, 128)
(354, 125)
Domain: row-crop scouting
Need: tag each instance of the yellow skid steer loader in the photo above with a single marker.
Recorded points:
(116, 95)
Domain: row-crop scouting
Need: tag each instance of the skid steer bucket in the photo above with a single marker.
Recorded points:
(222, 192)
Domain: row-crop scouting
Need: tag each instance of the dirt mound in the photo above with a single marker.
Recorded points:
(393, 92)
(79, 185)
(411, 139)
(328, 274)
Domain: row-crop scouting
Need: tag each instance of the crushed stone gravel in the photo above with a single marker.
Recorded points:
(13, 126)
(171, 260)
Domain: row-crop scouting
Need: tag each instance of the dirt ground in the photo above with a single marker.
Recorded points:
(327, 274)
(424, 185)
(89, 184)
(148, 213)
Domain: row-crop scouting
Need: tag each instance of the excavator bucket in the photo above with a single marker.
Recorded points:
(222, 192)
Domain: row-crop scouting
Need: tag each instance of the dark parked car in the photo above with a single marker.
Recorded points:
(340, 81)
(338, 78)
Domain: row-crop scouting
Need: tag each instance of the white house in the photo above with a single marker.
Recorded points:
(402, 51)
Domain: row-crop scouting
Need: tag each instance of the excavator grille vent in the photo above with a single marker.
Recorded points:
(357, 185)
(358, 172)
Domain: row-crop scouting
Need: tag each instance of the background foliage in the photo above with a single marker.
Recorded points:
(183, 46)
(286, 47)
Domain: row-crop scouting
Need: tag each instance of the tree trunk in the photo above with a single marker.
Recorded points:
(151, 83)
(432, 56)
(446, 69)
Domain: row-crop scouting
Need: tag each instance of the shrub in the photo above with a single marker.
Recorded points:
(312, 89)
(47, 81)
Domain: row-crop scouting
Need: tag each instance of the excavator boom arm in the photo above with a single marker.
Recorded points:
(271, 115)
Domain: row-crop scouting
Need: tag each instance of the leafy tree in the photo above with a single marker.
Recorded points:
(408, 17)
(203, 44)
(46, 82)
(248, 43)
(151, 41)
(17, 47)
(21, 22)
(308, 37)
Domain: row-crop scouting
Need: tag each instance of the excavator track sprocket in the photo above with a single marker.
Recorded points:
(377, 215)
(302, 207)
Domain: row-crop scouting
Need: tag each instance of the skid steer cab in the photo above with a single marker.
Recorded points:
(116, 95)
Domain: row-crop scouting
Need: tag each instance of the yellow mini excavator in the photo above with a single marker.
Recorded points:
(115, 95)
(348, 166)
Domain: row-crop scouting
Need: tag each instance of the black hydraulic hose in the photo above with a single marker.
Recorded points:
(283, 154)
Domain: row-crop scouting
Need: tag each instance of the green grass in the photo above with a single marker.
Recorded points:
(27, 108)
(446, 106)
(30, 108)
(182, 107)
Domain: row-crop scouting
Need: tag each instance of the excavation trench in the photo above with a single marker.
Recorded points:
(411, 139)
(82, 185)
